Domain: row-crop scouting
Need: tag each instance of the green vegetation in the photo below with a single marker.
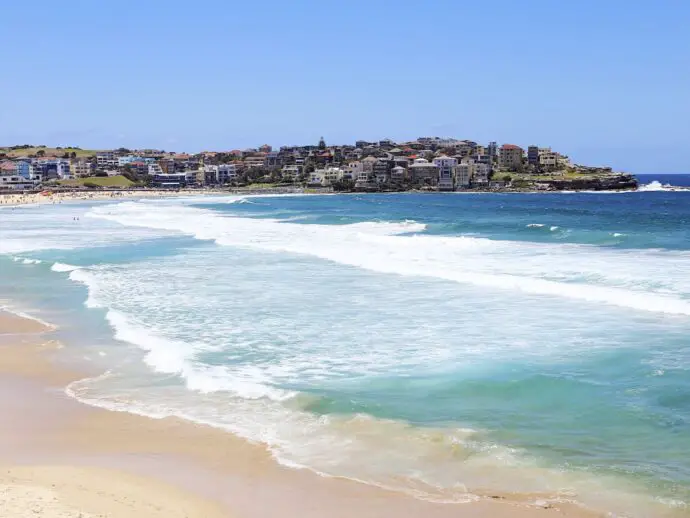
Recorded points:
(98, 181)
(569, 174)
(38, 151)
(262, 186)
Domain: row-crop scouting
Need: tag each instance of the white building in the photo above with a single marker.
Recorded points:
(227, 173)
(548, 159)
(472, 173)
(365, 180)
(329, 175)
(254, 162)
(292, 172)
(368, 164)
(445, 172)
(155, 168)
(190, 177)
(480, 176)
(316, 178)
(80, 168)
(353, 169)
(564, 161)
(106, 159)
(15, 182)
(422, 171)
(398, 174)
(463, 175)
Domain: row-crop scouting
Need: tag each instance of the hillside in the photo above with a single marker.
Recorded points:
(575, 178)
(16, 151)
(101, 181)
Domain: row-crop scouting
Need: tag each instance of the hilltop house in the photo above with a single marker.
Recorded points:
(510, 156)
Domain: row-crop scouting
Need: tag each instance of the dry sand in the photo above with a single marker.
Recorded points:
(63, 458)
(59, 197)
(72, 492)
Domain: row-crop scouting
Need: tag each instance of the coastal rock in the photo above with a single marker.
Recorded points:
(612, 182)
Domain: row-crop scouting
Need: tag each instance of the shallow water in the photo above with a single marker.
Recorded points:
(442, 344)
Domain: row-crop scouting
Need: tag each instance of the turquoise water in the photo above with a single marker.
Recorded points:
(444, 345)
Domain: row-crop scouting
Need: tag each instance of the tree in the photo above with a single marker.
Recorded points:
(40, 153)
(73, 154)
(344, 185)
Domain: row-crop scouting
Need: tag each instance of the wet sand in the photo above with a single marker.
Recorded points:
(60, 456)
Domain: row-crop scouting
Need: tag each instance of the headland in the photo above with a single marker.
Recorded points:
(425, 164)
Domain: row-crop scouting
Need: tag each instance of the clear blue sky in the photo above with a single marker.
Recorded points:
(606, 81)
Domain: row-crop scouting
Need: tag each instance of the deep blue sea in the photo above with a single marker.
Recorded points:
(446, 345)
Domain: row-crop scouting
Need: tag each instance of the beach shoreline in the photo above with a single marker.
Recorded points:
(12, 199)
(204, 470)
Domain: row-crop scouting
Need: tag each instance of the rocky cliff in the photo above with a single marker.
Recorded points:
(604, 182)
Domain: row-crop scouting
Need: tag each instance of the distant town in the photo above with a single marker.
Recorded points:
(425, 164)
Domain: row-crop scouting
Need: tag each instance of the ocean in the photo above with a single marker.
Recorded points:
(449, 346)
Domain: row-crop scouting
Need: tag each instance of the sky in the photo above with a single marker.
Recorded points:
(606, 82)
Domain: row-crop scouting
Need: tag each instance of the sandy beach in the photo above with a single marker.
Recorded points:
(60, 458)
(59, 197)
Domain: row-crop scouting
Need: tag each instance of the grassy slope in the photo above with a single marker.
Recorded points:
(49, 151)
(103, 181)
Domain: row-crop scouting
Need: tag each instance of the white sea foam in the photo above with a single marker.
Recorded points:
(173, 357)
(535, 225)
(299, 439)
(23, 314)
(165, 354)
(216, 335)
(552, 270)
(62, 267)
(31, 261)
(553, 228)
(653, 186)
(440, 465)
(54, 228)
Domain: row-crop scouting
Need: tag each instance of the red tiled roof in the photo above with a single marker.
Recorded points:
(510, 146)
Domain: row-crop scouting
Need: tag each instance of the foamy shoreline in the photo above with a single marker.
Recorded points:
(174, 464)
(67, 196)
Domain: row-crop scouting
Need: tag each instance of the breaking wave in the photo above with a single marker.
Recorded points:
(62, 267)
(400, 248)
